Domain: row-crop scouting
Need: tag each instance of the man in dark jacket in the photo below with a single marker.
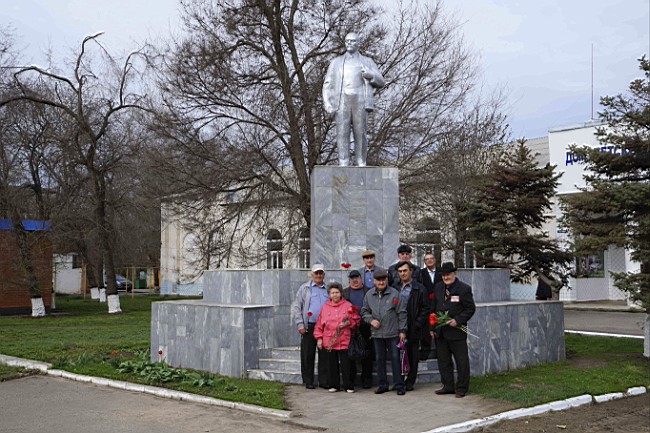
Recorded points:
(403, 255)
(429, 276)
(417, 310)
(455, 297)
(355, 293)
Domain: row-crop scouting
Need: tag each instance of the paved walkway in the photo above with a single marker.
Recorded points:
(417, 411)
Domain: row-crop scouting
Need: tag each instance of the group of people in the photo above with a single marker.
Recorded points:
(388, 307)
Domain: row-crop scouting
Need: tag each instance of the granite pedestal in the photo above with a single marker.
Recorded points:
(353, 209)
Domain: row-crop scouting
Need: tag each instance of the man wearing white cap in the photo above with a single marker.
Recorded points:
(310, 298)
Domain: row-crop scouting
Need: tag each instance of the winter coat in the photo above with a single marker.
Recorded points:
(387, 309)
(329, 319)
(417, 311)
(457, 299)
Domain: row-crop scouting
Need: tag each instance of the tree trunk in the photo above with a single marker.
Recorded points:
(105, 243)
(646, 333)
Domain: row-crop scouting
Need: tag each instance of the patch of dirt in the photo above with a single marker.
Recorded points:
(584, 363)
(629, 415)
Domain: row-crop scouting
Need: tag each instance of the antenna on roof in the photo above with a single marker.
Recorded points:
(592, 81)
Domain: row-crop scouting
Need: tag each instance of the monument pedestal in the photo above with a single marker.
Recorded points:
(354, 209)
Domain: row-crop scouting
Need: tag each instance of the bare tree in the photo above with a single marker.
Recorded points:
(242, 114)
(93, 100)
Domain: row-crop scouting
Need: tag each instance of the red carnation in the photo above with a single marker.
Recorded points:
(431, 296)
(310, 314)
(353, 309)
(160, 352)
(433, 319)
(346, 265)
(395, 301)
(115, 352)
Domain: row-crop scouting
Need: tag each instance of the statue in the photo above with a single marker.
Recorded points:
(348, 96)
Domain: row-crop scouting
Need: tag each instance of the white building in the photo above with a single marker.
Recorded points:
(593, 281)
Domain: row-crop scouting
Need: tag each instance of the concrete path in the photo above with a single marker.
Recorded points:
(417, 411)
(611, 322)
(39, 404)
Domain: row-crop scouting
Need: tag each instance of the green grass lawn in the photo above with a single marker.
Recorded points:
(594, 365)
(83, 338)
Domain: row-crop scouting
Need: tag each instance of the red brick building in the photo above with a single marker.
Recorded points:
(14, 292)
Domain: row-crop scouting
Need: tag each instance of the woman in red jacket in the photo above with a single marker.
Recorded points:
(333, 330)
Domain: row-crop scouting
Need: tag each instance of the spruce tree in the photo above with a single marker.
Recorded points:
(614, 207)
(507, 219)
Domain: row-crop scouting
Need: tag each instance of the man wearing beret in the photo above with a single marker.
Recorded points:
(355, 293)
(403, 255)
(454, 297)
(368, 270)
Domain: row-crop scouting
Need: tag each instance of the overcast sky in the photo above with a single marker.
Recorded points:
(539, 50)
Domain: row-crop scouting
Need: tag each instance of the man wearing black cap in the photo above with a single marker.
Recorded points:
(455, 297)
(355, 293)
(411, 293)
(403, 255)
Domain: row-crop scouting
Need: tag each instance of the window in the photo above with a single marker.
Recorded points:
(427, 239)
(76, 261)
(468, 255)
(274, 250)
(303, 248)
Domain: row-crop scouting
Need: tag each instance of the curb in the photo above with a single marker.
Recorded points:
(604, 334)
(145, 389)
(554, 406)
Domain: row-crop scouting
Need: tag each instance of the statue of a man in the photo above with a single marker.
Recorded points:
(348, 96)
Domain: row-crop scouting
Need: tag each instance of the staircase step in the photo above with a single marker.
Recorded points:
(291, 352)
(291, 377)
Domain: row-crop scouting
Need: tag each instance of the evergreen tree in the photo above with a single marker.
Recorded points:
(614, 208)
(507, 219)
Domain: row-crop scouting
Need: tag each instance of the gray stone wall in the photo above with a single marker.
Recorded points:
(353, 209)
(488, 285)
(224, 339)
(511, 335)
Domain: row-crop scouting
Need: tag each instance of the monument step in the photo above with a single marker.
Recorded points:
(294, 377)
(288, 352)
(292, 353)
(293, 365)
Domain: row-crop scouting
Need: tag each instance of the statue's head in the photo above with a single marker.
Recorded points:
(352, 43)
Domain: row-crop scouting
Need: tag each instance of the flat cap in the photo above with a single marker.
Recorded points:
(354, 274)
(380, 275)
(368, 253)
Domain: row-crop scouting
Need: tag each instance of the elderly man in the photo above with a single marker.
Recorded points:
(429, 276)
(411, 293)
(356, 293)
(455, 297)
(403, 255)
(348, 96)
(310, 298)
(387, 318)
(369, 268)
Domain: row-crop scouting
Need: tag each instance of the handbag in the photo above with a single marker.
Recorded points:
(357, 350)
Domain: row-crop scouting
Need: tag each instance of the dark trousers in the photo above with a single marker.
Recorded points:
(413, 351)
(366, 364)
(382, 346)
(457, 349)
(338, 364)
(308, 347)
